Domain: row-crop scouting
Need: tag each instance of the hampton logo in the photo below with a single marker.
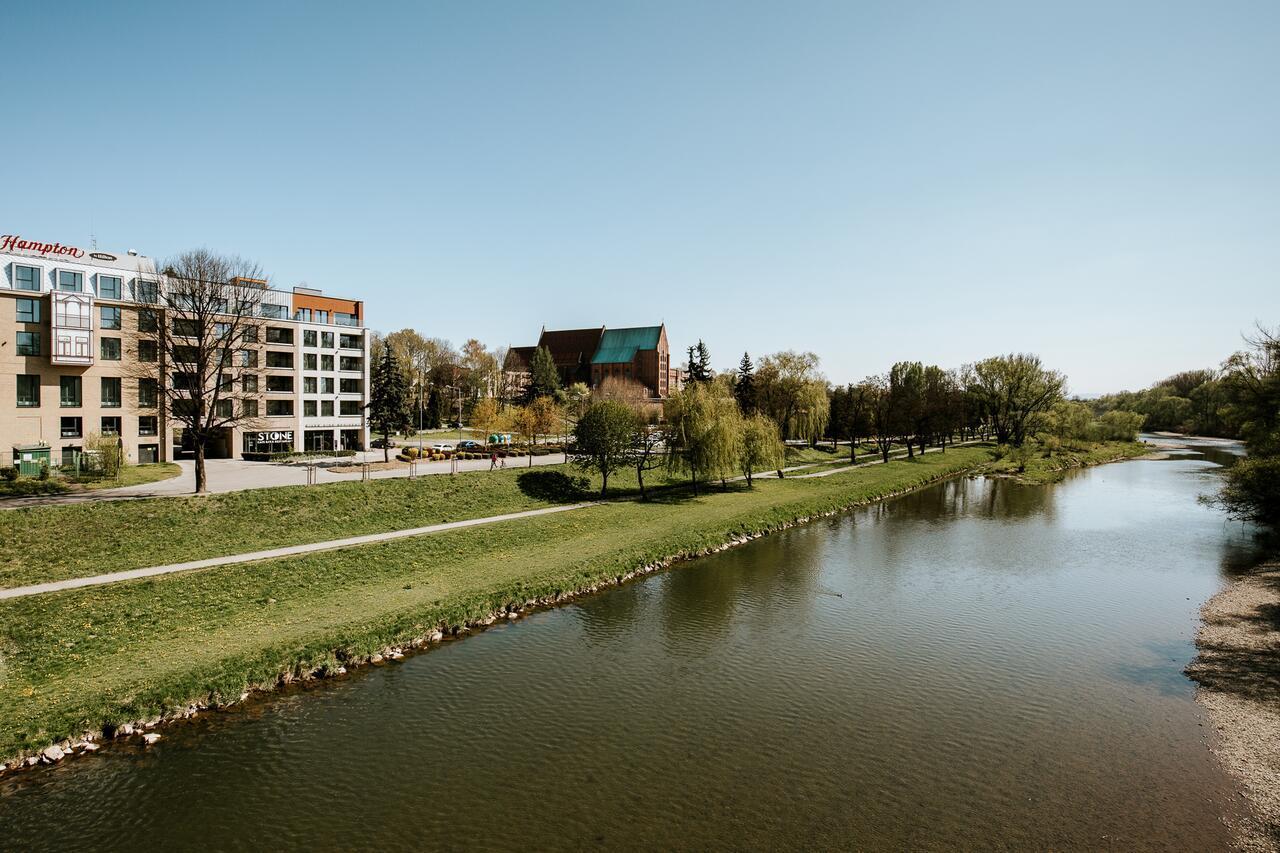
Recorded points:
(14, 243)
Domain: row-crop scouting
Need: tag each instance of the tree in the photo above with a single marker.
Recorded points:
(648, 444)
(544, 379)
(206, 328)
(390, 399)
(437, 414)
(881, 413)
(1013, 390)
(107, 451)
(604, 438)
(744, 389)
(906, 392)
(789, 389)
(699, 363)
(850, 416)
(761, 447)
(705, 432)
(485, 415)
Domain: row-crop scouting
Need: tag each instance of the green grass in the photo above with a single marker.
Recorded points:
(76, 660)
(1043, 467)
(24, 487)
(134, 475)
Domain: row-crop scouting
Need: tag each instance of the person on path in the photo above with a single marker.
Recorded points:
(493, 460)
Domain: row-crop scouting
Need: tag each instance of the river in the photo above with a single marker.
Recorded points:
(979, 664)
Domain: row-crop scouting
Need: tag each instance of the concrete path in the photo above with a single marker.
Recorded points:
(290, 551)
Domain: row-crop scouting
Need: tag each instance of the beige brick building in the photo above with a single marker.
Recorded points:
(78, 326)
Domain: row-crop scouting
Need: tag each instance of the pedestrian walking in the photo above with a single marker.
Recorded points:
(493, 460)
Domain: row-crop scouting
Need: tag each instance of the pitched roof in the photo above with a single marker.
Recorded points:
(619, 346)
(571, 348)
(518, 359)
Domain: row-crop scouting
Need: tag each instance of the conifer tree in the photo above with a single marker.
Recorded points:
(744, 390)
(390, 399)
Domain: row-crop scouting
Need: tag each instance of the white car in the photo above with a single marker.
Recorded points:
(442, 446)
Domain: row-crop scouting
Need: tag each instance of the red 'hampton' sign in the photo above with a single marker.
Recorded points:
(13, 242)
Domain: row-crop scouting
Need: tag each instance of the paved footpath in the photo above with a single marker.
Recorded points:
(290, 551)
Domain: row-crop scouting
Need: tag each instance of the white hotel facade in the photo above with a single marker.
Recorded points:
(66, 314)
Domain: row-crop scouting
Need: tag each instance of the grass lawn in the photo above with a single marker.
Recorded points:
(76, 660)
(1051, 467)
(134, 475)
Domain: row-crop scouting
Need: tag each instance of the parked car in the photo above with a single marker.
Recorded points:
(468, 444)
(442, 447)
(380, 443)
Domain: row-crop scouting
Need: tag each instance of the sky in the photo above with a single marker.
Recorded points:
(1095, 182)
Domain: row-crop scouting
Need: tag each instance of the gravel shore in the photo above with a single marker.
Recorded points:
(1238, 673)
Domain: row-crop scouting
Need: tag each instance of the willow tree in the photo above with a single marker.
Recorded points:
(789, 389)
(1014, 390)
(761, 446)
(705, 432)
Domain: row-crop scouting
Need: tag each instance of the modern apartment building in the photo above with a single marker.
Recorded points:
(75, 324)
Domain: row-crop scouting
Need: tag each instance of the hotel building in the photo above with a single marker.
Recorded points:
(75, 323)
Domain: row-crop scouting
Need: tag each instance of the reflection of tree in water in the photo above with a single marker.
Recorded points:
(755, 587)
(982, 497)
(605, 617)
(1009, 499)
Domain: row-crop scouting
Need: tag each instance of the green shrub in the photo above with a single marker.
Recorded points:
(44, 471)
(1252, 490)
(9, 473)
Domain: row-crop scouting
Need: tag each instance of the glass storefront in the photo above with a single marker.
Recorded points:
(266, 443)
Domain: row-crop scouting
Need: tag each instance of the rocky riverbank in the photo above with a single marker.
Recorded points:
(1237, 672)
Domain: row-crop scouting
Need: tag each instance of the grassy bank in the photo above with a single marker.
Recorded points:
(78, 660)
(130, 475)
(1043, 465)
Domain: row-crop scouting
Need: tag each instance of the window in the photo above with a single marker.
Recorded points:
(147, 392)
(248, 358)
(349, 386)
(110, 425)
(71, 392)
(70, 453)
(342, 319)
(349, 407)
(249, 408)
(308, 338)
(110, 317)
(26, 278)
(147, 425)
(308, 408)
(222, 409)
(309, 385)
(275, 312)
(279, 359)
(249, 383)
(28, 391)
(71, 427)
(326, 408)
(280, 384)
(146, 291)
(249, 335)
(148, 454)
(303, 314)
(349, 341)
(221, 330)
(147, 320)
(277, 335)
(309, 361)
(147, 350)
(28, 310)
(73, 314)
(186, 328)
(279, 408)
(184, 381)
(326, 362)
(185, 354)
(110, 349)
(326, 340)
(28, 343)
(110, 392)
(109, 287)
(326, 385)
(71, 281)
(350, 362)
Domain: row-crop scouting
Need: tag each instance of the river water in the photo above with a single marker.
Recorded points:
(980, 664)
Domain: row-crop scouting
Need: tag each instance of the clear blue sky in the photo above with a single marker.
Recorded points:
(1098, 182)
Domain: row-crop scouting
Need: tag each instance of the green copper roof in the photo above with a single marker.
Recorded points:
(618, 346)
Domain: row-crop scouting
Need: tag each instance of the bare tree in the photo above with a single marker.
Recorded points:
(196, 353)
